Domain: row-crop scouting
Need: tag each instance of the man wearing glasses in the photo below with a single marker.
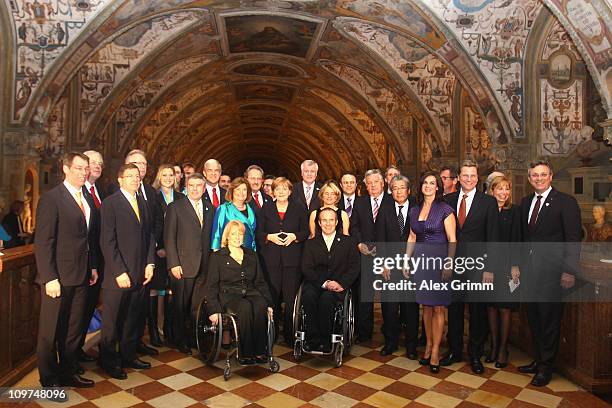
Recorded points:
(449, 179)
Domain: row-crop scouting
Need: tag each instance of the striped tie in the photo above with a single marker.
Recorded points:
(375, 209)
(308, 195)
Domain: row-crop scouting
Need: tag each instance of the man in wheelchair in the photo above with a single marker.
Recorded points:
(330, 265)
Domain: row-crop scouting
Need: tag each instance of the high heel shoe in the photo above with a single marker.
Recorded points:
(499, 364)
(492, 356)
(424, 361)
(434, 368)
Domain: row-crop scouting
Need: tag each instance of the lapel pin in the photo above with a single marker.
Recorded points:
(547, 204)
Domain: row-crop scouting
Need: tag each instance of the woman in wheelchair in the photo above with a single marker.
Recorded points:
(235, 284)
(330, 265)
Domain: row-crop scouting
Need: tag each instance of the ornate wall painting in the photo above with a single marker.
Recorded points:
(250, 91)
(268, 70)
(57, 129)
(105, 69)
(43, 30)
(276, 34)
(261, 107)
(478, 143)
(430, 151)
(494, 33)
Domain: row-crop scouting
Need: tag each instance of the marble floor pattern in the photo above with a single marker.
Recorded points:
(365, 380)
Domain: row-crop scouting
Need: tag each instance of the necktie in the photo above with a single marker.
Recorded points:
(534, 214)
(80, 203)
(92, 189)
(199, 213)
(375, 209)
(134, 203)
(462, 211)
(215, 198)
(256, 197)
(400, 219)
(349, 207)
(308, 195)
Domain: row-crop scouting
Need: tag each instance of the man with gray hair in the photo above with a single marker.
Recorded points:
(307, 191)
(214, 193)
(254, 175)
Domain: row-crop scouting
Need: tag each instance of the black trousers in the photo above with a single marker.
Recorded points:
(93, 296)
(121, 318)
(284, 284)
(252, 318)
(478, 328)
(392, 313)
(319, 307)
(363, 300)
(545, 324)
(182, 322)
(59, 333)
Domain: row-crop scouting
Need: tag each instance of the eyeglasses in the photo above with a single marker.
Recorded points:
(131, 176)
(447, 178)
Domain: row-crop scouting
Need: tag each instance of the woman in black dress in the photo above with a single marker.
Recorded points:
(235, 282)
(500, 311)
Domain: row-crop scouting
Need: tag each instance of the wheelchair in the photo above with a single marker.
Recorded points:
(342, 332)
(209, 340)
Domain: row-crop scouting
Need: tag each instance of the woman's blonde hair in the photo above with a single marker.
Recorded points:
(501, 180)
(157, 182)
(228, 229)
(331, 185)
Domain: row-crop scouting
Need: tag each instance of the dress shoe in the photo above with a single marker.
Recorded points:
(434, 368)
(411, 354)
(541, 379)
(530, 368)
(116, 372)
(450, 359)
(84, 357)
(144, 349)
(77, 381)
(477, 367)
(261, 359)
(492, 356)
(424, 361)
(136, 363)
(185, 349)
(246, 361)
(502, 364)
(387, 350)
(79, 369)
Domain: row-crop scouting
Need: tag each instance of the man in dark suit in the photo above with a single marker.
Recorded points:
(66, 261)
(477, 223)
(362, 228)
(330, 264)
(214, 193)
(187, 230)
(128, 246)
(391, 172)
(392, 230)
(254, 176)
(551, 232)
(348, 184)
(94, 195)
(307, 191)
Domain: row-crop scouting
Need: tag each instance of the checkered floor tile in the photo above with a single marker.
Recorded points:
(365, 380)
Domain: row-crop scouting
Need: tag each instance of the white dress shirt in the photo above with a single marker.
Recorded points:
(542, 201)
(209, 190)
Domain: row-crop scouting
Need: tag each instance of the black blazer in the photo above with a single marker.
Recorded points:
(340, 264)
(94, 232)
(149, 191)
(127, 245)
(63, 241)
(224, 279)
(186, 243)
(222, 192)
(388, 231)
(362, 224)
(10, 222)
(160, 214)
(298, 194)
(558, 220)
(269, 222)
(255, 207)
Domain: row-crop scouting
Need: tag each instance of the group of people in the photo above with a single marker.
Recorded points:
(247, 248)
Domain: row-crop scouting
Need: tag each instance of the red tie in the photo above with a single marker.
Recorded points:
(95, 197)
(256, 197)
(534, 214)
(462, 211)
(215, 198)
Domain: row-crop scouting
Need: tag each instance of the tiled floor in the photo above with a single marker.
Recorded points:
(365, 380)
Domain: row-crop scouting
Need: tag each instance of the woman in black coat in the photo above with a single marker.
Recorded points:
(166, 194)
(235, 283)
(282, 228)
(500, 311)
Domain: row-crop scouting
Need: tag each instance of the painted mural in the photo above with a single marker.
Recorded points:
(268, 70)
(478, 143)
(110, 65)
(494, 33)
(43, 31)
(57, 129)
(430, 79)
(284, 35)
(245, 92)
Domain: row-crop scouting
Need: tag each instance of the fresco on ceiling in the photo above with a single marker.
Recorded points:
(262, 107)
(268, 70)
(477, 141)
(430, 151)
(261, 120)
(256, 33)
(430, 79)
(56, 129)
(43, 31)
(399, 13)
(585, 18)
(245, 92)
(192, 44)
(111, 64)
(494, 34)
(396, 112)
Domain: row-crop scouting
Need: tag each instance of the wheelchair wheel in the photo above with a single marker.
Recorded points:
(338, 353)
(227, 373)
(348, 326)
(297, 350)
(271, 337)
(208, 337)
(297, 312)
(274, 366)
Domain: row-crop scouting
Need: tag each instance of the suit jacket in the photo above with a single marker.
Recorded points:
(187, 243)
(298, 194)
(227, 278)
(340, 264)
(127, 244)
(160, 214)
(388, 231)
(362, 224)
(63, 241)
(558, 221)
(10, 222)
(227, 212)
(94, 232)
(256, 208)
(149, 191)
(269, 222)
(222, 192)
